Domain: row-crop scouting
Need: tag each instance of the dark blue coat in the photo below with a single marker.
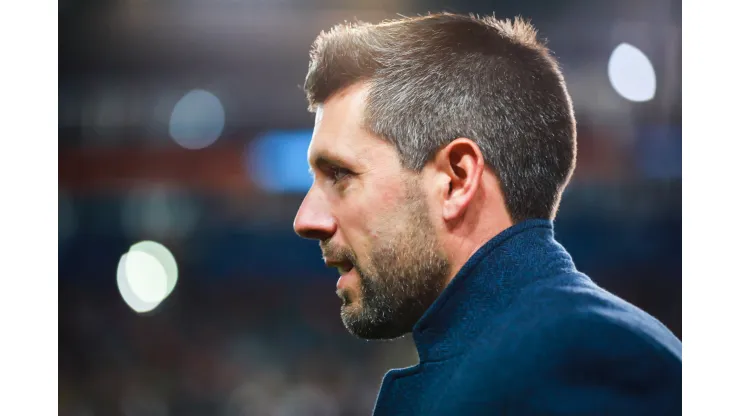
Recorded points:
(519, 331)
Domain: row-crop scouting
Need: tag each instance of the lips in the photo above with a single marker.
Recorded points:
(344, 266)
(344, 269)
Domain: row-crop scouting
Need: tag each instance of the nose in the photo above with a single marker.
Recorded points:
(314, 219)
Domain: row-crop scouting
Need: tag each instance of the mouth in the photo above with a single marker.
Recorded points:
(345, 268)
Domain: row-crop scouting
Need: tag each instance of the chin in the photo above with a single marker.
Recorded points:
(367, 328)
(347, 298)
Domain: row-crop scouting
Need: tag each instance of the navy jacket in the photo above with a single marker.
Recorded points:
(519, 331)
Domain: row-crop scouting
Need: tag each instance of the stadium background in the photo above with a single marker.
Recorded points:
(183, 122)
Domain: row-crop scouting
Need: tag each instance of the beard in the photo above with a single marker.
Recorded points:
(400, 277)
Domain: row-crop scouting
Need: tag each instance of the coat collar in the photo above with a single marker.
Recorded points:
(485, 285)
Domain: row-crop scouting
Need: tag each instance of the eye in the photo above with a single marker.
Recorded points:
(337, 173)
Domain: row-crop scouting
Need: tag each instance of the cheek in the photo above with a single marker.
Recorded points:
(354, 224)
(389, 195)
(365, 230)
(367, 211)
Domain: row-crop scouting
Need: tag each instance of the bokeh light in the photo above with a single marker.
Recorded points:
(276, 161)
(631, 73)
(129, 293)
(165, 258)
(197, 120)
(146, 275)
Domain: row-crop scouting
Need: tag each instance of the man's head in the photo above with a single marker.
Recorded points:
(432, 135)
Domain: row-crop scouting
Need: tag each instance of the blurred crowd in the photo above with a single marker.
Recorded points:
(265, 349)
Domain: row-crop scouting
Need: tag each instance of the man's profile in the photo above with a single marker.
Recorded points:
(441, 148)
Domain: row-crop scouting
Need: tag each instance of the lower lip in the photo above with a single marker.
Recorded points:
(343, 278)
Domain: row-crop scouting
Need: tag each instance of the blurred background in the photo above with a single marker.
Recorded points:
(182, 160)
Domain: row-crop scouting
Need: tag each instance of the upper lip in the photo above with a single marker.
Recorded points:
(338, 263)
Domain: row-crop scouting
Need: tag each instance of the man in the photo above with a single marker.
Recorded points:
(441, 148)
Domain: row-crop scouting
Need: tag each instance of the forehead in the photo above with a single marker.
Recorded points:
(338, 131)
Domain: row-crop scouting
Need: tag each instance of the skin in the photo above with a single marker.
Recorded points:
(404, 234)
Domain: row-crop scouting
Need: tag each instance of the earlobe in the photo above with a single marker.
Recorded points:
(450, 211)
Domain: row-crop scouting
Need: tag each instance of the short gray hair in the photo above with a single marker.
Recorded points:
(439, 77)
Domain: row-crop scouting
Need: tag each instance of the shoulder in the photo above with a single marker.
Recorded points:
(570, 311)
(573, 331)
(578, 340)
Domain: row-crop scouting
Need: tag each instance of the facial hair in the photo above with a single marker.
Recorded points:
(400, 277)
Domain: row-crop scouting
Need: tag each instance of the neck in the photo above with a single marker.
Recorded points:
(485, 218)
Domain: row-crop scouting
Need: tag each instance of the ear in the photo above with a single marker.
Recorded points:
(460, 165)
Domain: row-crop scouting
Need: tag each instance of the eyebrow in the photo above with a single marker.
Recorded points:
(324, 160)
